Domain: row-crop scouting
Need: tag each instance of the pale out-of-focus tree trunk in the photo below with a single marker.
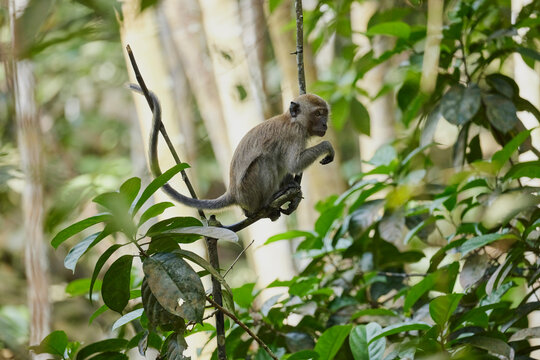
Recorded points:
(243, 110)
(319, 181)
(430, 65)
(253, 36)
(185, 23)
(381, 111)
(29, 139)
(140, 31)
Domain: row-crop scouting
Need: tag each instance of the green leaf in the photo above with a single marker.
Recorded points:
(111, 355)
(492, 345)
(360, 117)
(153, 211)
(29, 24)
(227, 294)
(500, 112)
(101, 347)
(331, 340)
(78, 227)
(528, 53)
(176, 345)
(273, 4)
(145, 4)
(99, 264)
(383, 156)
(55, 344)
(530, 169)
(442, 307)
(401, 327)
(524, 334)
(327, 218)
(460, 104)
(129, 317)
(175, 285)
(73, 256)
(416, 291)
(392, 28)
(244, 295)
(373, 312)
(289, 235)
(361, 347)
(157, 183)
(130, 188)
(481, 241)
(78, 287)
(97, 313)
(503, 84)
(340, 112)
(115, 290)
(156, 314)
(172, 223)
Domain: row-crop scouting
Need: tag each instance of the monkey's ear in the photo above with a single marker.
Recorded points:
(294, 109)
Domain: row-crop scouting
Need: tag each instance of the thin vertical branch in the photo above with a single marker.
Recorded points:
(300, 46)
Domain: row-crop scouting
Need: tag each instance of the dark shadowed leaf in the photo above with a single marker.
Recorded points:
(492, 345)
(391, 227)
(480, 241)
(102, 347)
(460, 104)
(298, 341)
(361, 347)
(331, 340)
(145, 4)
(157, 315)
(99, 264)
(524, 334)
(503, 84)
(116, 284)
(500, 112)
(304, 355)
(176, 286)
(473, 270)
(176, 345)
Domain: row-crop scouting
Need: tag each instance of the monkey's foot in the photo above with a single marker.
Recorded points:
(291, 194)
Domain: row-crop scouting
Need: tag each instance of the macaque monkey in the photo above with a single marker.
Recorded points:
(266, 157)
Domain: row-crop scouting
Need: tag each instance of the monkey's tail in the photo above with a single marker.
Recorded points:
(221, 202)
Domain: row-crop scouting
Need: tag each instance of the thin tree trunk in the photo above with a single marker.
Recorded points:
(30, 147)
(430, 65)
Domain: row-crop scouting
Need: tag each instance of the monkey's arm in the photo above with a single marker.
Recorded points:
(297, 163)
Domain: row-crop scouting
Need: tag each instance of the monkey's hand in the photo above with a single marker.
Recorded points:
(330, 157)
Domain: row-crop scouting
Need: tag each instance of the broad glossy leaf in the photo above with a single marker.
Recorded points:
(442, 307)
(175, 285)
(73, 256)
(101, 347)
(530, 169)
(383, 156)
(55, 343)
(340, 112)
(416, 292)
(130, 188)
(473, 270)
(157, 183)
(519, 312)
(172, 223)
(129, 317)
(298, 341)
(360, 117)
(502, 156)
(331, 341)
(361, 347)
(78, 227)
(392, 28)
(500, 112)
(327, 218)
(492, 345)
(157, 315)
(460, 104)
(304, 355)
(115, 290)
(391, 227)
(244, 295)
(503, 84)
(373, 312)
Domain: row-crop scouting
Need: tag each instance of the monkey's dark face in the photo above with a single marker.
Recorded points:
(318, 122)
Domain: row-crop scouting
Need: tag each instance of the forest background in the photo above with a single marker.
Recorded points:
(417, 240)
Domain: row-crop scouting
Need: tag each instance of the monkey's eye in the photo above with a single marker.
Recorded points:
(320, 112)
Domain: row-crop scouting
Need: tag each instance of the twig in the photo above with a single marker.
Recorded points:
(211, 244)
(243, 326)
(238, 258)
(403, 275)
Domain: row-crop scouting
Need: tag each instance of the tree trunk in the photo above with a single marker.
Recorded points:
(29, 141)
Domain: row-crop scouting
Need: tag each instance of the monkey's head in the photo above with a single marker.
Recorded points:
(312, 112)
